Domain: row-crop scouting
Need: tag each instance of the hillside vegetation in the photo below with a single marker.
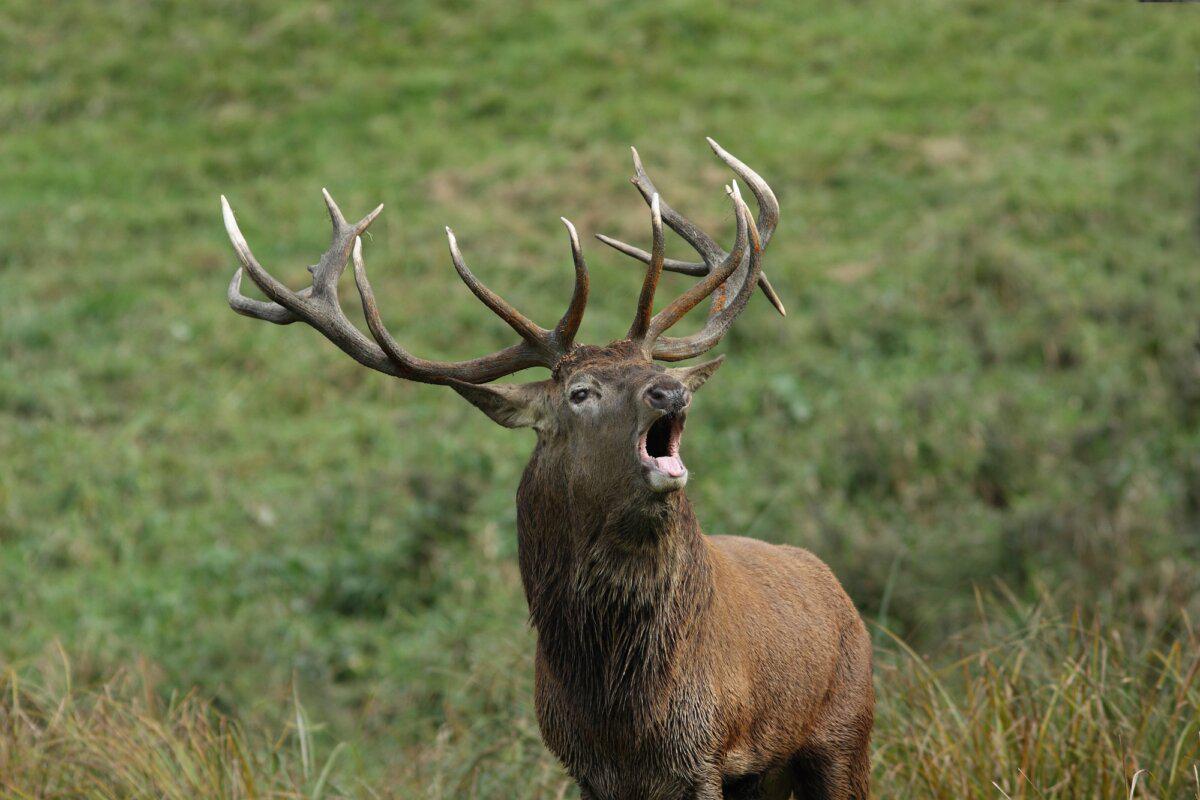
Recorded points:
(983, 407)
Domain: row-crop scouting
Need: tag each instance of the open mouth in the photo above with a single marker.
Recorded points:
(659, 449)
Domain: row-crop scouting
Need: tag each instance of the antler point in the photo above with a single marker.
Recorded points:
(366, 221)
(453, 242)
(637, 165)
(233, 231)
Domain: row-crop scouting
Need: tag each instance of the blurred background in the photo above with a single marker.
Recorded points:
(981, 410)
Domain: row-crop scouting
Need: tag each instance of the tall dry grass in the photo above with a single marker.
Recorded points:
(123, 739)
(1030, 704)
(1043, 705)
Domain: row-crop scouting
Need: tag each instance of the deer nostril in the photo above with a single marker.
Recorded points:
(667, 398)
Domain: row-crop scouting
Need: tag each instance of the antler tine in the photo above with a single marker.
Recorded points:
(333, 262)
(480, 370)
(645, 306)
(271, 287)
(258, 309)
(702, 243)
(318, 309)
(772, 296)
(535, 335)
(768, 211)
(722, 315)
(538, 348)
(695, 295)
(318, 306)
(568, 325)
(695, 269)
(768, 205)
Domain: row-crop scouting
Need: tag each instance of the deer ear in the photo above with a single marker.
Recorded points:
(695, 376)
(513, 405)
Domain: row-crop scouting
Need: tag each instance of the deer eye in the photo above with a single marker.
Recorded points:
(579, 395)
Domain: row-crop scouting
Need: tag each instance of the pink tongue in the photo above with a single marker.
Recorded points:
(672, 465)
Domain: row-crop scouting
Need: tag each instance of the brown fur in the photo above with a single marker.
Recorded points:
(671, 664)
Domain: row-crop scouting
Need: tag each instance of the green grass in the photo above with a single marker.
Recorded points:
(987, 374)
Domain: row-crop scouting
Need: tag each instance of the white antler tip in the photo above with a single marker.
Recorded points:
(637, 164)
(571, 232)
(231, 226)
(721, 152)
(366, 221)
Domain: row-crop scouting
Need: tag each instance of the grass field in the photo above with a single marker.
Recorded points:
(983, 409)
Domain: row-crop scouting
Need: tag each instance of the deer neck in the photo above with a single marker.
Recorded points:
(614, 587)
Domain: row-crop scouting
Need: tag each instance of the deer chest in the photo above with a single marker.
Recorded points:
(637, 745)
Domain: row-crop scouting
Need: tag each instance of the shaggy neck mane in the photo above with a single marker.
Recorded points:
(614, 589)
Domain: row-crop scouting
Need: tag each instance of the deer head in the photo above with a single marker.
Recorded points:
(609, 418)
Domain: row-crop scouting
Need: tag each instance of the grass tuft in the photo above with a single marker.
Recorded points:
(1043, 706)
(124, 738)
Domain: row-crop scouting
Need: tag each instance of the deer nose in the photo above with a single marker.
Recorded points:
(669, 397)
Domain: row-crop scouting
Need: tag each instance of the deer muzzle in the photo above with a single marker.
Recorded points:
(658, 449)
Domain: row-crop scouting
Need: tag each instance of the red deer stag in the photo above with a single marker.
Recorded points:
(669, 664)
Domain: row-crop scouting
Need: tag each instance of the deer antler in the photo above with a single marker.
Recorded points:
(737, 269)
(318, 306)
(710, 252)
